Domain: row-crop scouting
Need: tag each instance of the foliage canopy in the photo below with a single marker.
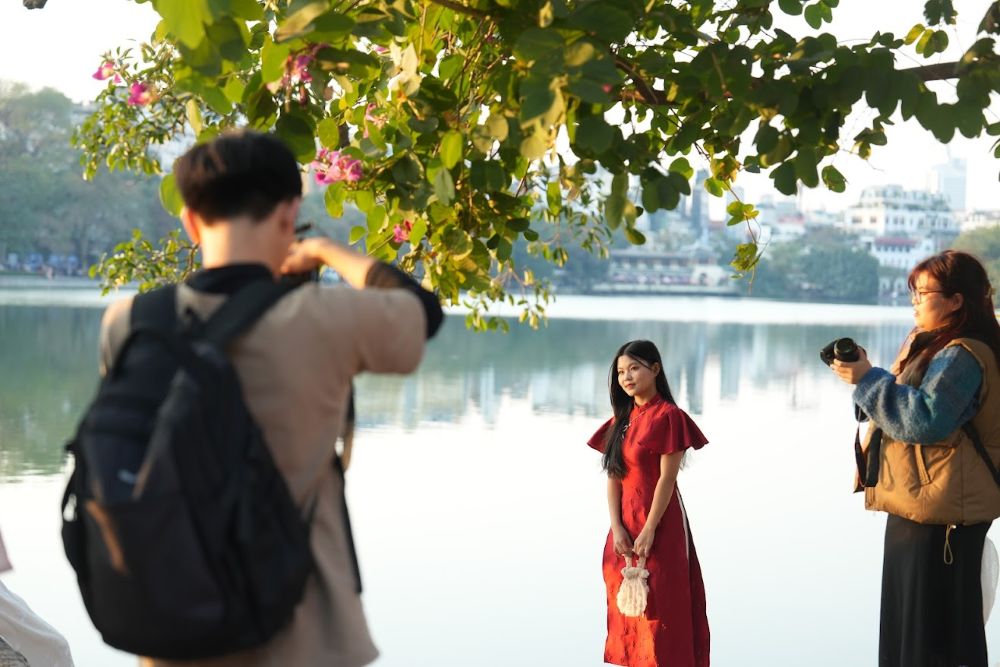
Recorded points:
(464, 129)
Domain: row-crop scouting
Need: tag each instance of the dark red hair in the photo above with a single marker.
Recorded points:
(959, 273)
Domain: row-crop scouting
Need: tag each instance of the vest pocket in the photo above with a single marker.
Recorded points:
(918, 455)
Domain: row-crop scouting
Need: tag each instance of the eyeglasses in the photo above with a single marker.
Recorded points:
(917, 296)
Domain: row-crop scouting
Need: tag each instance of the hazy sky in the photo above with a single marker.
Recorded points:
(61, 46)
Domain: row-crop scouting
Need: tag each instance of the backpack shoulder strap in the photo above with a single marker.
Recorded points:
(156, 309)
(977, 442)
(241, 310)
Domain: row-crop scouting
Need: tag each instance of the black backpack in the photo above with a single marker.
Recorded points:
(184, 537)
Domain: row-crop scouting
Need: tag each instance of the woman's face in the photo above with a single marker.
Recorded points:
(931, 306)
(636, 378)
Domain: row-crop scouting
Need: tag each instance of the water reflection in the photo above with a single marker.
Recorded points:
(48, 361)
(564, 369)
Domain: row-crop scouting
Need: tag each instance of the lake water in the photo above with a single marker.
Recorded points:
(479, 512)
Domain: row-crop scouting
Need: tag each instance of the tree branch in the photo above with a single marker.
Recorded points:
(935, 72)
(455, 7)
(646, 93)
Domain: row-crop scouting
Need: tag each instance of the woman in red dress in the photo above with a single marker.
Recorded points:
(643, 445)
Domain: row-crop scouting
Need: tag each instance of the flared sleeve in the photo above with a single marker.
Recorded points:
(597, 440)
(670, 431)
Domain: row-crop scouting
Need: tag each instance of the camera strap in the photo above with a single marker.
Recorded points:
(868, 466)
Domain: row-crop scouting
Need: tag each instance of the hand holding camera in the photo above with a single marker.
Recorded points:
(846, 359)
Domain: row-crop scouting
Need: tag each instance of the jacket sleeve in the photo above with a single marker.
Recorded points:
(673, 431)
(946, 398)
(386, 276)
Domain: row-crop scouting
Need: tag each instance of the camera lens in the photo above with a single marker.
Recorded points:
(845, 349)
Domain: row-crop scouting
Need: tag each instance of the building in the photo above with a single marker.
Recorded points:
(891, 211)
(899, 252)
(949, 180)
(980, 220)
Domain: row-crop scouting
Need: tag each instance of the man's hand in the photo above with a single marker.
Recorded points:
(304, 256)
(851, 372)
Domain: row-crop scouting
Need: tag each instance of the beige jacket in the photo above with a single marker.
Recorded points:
(943, 482)
(295, 366)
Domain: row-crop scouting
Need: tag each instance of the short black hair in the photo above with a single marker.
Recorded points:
(240, 172)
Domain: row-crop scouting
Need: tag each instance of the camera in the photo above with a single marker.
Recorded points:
(843, 349)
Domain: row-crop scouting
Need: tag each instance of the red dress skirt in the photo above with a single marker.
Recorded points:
(673, 631)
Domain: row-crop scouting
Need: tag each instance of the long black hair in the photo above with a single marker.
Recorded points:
(645, 353)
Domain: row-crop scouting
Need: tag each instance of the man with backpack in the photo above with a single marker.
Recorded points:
(213, 432)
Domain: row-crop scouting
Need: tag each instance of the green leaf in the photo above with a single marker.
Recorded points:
(169, 196)
(833, 179)
(814, 16)
(784, 178)
(578, 53)
(332, 27)
(607, 22)
(357, 233)
(714, 187)
(504, 249)
(488, 176)
(614, 206)
(272, 60)
(451, 148)
(249, 10)
(193, 113)
(334, 200)
(450, 65)
(553, 197)
(683, 167)
(300, 22)
(444, 186)
(914, 34)
(418, 231)
(792, 7)
(185, 18)
(298, 135)
(594, 134)
(328, 131)
(534, 43)
(805, 167)
(497, 127)
(534, 146)
(537, 98)
(634, 236)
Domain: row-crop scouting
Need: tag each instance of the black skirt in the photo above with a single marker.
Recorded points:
(932, 611)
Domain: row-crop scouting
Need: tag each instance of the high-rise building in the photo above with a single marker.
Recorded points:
(949, 179)
(698, 214)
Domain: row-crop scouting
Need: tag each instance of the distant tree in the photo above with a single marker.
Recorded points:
(984, 243)
(822, 266)
(45, 204)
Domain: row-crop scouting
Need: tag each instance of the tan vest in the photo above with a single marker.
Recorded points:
(944, 482)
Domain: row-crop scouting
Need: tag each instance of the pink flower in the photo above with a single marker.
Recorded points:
(106, 71)
(332, 166)
(297, 77)
(140, 94)
(401, 233)
(380, 49)
(606, 87)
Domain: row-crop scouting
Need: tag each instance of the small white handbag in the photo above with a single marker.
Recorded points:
(633, 590)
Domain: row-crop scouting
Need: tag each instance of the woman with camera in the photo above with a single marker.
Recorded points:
(643, 445)
(930, 461)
